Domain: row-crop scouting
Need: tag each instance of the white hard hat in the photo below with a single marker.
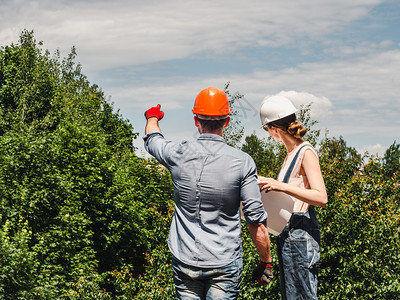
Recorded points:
(275, 108)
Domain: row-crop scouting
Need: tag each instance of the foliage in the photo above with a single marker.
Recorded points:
(74, 198)
(338, 163)
(391, 160)
(88, 288)
(268, 156)
(235, 131)
(361, 237)
(304, 117)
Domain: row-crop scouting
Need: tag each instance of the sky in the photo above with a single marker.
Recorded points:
(342, 56)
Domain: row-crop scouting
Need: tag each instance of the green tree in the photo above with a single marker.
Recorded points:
(360, 236)
(304, 117)
(75, 200)
(338, 163)
(235, 131)
(267, 155)
(391, 160)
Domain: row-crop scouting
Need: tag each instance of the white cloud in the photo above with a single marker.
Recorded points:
(367, 85)
(320, 106)
(376, 150)
(342, 49)
(118, 33)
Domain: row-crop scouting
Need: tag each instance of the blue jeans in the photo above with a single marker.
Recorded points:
(207, 283)
(299, 253)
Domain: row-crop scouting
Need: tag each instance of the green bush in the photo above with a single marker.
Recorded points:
(75, 200)
(360, 238)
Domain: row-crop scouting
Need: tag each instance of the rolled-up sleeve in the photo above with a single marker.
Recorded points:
(253, 208)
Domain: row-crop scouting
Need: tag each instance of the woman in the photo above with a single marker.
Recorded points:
(300, 177)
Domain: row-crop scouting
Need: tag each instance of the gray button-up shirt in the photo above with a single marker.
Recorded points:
(210, 179)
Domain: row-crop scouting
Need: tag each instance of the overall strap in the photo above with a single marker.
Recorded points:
(311, 211)
(291, 166)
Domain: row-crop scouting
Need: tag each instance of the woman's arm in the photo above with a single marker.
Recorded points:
(316, 195)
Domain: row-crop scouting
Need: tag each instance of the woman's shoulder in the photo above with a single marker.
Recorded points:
(307, 146)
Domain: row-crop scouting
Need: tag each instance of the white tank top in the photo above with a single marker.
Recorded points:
(296, 178)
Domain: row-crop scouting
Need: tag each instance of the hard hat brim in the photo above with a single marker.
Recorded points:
(205, 117)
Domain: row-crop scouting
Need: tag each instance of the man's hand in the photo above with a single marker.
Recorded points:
(263, 273)
(154, 112)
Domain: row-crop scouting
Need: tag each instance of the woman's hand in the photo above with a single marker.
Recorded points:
(314, 195)
(269, 184)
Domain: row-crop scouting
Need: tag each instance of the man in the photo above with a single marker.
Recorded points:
(210, 180)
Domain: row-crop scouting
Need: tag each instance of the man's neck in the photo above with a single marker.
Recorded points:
(218, 132)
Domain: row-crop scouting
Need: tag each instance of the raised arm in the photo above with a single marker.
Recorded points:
(152, 125)
(153, 115)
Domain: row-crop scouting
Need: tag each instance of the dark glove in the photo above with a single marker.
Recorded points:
(263, 273)
(154, 112)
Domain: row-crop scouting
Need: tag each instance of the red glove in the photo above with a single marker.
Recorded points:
(263, 273)
(154, 112)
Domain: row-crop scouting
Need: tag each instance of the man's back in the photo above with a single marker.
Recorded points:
(210, 179)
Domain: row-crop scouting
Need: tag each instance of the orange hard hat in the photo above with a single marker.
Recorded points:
(211, 102)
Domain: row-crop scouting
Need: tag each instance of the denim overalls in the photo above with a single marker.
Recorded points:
(299, 252)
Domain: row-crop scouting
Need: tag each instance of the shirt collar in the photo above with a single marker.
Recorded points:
(211, 137)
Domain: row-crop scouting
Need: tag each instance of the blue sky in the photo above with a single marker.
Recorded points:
(343, 56)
